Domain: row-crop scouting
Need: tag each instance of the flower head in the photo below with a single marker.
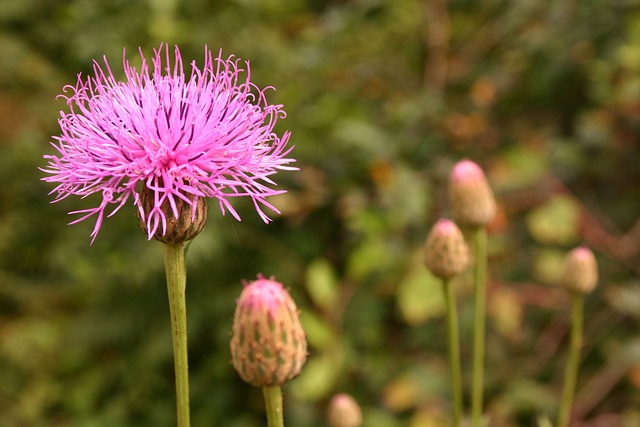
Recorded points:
(177, 136)
(344, 411)
(445, 251)
(268, 344)
(472, 200)
(580, 271)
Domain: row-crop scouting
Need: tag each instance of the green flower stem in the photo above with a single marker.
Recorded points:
(176, 284)
(454, 351)
(480, 248)
(573, 361)
(273, 403)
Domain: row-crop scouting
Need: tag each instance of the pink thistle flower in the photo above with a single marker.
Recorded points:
(179, 137)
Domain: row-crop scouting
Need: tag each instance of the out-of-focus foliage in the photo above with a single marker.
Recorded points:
(383, 96)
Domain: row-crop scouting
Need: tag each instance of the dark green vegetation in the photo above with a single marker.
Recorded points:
(382, 98)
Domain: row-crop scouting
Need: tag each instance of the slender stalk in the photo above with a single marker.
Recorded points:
(175, 270)
(273, 403)
(573, 361)
(480, 248)
(454, 351)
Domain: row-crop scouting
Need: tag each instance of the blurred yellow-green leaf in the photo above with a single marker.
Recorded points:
(506, 310)
(322, 284)
(318, 330)
(429, 417)
(555, 222)
(520, 166)
(414, 387)
(419, 295)
(320, 374)
(547, 265)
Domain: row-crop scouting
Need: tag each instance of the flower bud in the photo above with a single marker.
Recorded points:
(344, 411)
(268, 344)
(187, 225)
(445, 251)
(471, 196)
(580, 273)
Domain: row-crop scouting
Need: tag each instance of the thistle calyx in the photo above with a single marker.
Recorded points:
(181, 221)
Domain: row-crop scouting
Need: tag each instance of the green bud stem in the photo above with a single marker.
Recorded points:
(477, 391)
(175, 270)
(273, 404)
(454, 352)
(573, 361)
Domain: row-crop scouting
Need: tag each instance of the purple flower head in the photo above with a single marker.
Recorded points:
(209, 134)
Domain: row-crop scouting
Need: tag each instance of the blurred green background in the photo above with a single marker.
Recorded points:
(383, 97)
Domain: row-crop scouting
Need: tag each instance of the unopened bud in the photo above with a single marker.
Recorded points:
(580, 274)
(344, 411)
(268, 344)
(189, 222)
(472, 200)
(445, 251)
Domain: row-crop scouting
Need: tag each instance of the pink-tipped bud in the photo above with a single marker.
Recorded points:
(268, 345)
(445, 252)
(580, 274)
(472, 200)
(344, 411)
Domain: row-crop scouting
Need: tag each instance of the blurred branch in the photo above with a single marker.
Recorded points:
(597, 388)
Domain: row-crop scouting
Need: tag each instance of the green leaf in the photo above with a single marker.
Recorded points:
(419, 296)
(322, 284)
(318, 377)
(547, 265)
(319, 333)
(555, 222)
(544, 422)
(520, 166)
